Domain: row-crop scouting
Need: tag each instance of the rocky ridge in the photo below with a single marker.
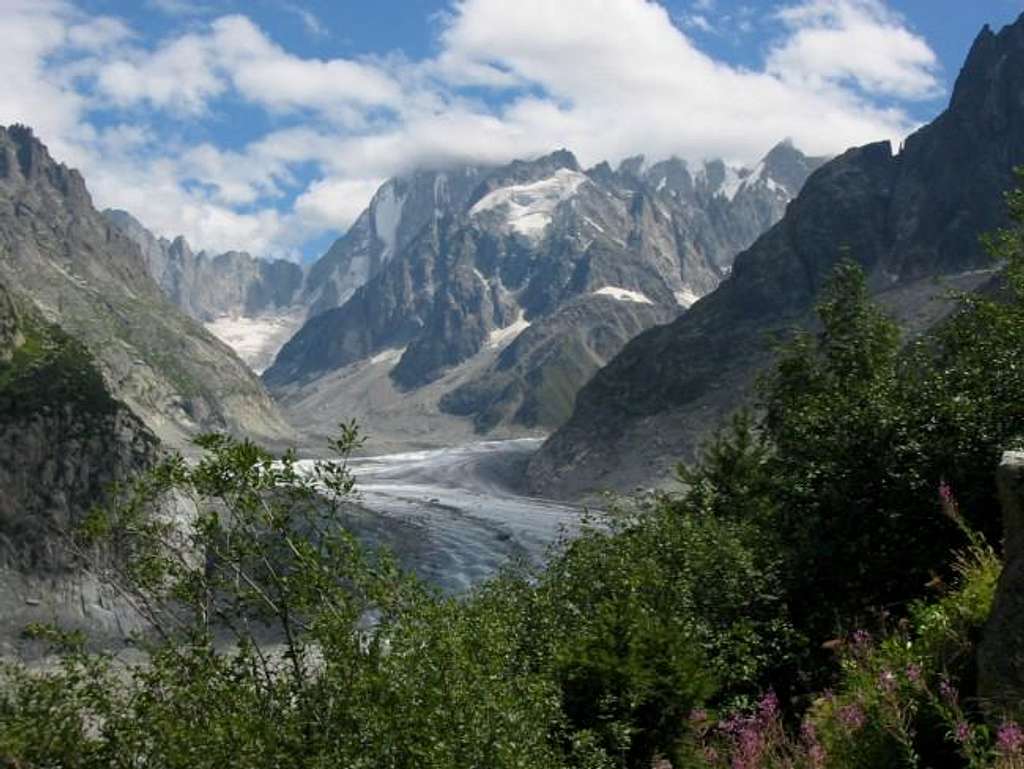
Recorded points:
(907, 218)
(532, 275)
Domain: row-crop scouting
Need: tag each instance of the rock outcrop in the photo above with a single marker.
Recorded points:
(1001, 653)
(64, 438)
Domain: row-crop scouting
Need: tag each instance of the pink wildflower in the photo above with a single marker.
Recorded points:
(962, 732)
(851, 716)
(768, 707)
(1010, 739)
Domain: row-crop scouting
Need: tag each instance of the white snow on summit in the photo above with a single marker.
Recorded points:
(623, 295)
(732, 184)
(528, 207)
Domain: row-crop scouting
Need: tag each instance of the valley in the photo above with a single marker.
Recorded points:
(695, 446)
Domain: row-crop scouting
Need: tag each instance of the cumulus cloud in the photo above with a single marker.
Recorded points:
(605, 78)
(854, 40)
(335, 202)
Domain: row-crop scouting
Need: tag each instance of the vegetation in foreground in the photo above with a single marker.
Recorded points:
(812, 598)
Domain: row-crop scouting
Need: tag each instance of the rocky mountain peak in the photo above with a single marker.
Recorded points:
(25, 160)
(786, 165)
(633, 166)
(986, 65)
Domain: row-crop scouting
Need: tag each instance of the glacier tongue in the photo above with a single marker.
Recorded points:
(528, 207)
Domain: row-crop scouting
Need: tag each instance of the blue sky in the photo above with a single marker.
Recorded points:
(267, 125)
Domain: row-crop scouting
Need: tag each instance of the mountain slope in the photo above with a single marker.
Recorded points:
(399, 210)
(90, 279)
(906, 218)
(517, 291)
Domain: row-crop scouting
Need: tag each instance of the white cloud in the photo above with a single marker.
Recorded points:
(605, 78)
(333, 204)
(309, 20)
(190, 71)
(180, 75)
(858, 40)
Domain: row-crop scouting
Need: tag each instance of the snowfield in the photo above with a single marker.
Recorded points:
(528, 208)
(256, 340)
(502, 336)
(623, 295)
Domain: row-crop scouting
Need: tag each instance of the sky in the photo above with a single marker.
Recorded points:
(267, 125)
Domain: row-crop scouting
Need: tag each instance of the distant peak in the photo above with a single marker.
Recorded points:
(633, 166)
(561, 158)
(993, 58)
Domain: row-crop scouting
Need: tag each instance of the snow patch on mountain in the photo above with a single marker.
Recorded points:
(388, 356)
(623, 295)
(528, 208)
(732, 184)
(387, 213)
(686, 297)
(502, 336)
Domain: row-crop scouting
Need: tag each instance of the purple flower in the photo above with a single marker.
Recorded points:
(1010, 739)
(861, 638)
(914, 673)
(946, 493)
(768, 707)
(817, 755)
(947, 501)
(851, 716)
(962, 731)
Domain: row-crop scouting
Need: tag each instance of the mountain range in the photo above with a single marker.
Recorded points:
(481, 299)
(909, 218)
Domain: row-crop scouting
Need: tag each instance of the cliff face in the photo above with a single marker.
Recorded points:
(89, 278)
(64, 439)
(206, 287)
(906, 219)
